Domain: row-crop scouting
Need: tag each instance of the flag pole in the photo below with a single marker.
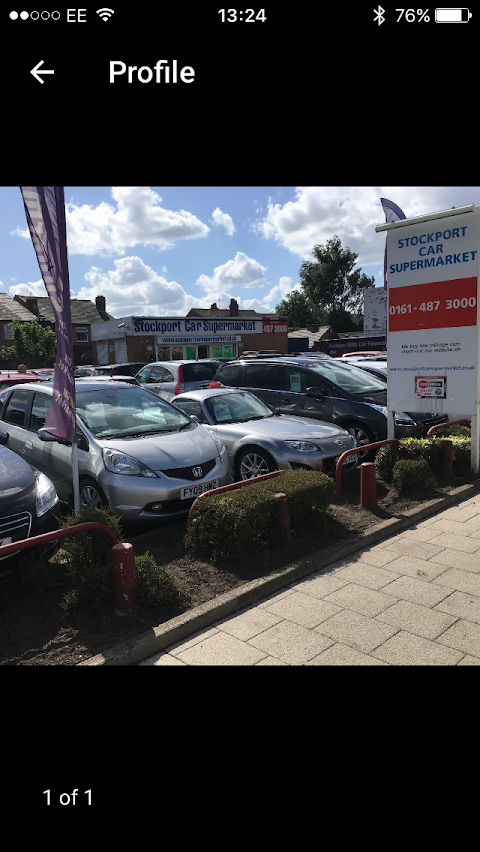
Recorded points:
(76, 487)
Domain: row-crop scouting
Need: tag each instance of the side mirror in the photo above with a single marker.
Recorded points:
(4, 436)
(47, 436)
(316, 393)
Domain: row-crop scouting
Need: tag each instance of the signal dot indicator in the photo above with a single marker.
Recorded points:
(24, 16)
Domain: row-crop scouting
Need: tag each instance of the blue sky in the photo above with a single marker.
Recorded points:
(159, 251)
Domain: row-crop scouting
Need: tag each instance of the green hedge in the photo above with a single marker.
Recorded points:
(461, 449)
(232, 523)
(413, 475)
(428, 449)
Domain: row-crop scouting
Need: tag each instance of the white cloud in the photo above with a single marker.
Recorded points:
(242, 271)
(21, 232)
(223, 220)
(32, 288)
(351, 213)
(136, 218)
(131, 288)
(134, 288)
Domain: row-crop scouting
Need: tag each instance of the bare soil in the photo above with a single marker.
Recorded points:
(34, 629)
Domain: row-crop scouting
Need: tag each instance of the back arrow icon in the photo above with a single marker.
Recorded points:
(36, 73)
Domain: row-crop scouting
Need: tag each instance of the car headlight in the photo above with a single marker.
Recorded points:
(403, 419)
(381, 408)
(303, 446)
(117, 462)
(222, 450)
(46, 496)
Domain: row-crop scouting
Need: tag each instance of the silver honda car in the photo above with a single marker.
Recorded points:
(259, 441)
(137, 453)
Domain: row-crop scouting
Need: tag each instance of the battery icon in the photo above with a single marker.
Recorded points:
(452, 16)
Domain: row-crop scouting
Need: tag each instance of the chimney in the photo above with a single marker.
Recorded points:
(214, 307)
(28, 302)
(234, 312)
(100, 303)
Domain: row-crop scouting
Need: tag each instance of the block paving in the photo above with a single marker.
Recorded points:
(410, 600)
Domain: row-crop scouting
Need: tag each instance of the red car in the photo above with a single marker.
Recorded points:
(8, 380)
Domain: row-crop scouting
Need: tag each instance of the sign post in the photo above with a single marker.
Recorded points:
(433, 316)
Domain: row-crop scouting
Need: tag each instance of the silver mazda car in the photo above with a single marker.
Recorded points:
(259, 441)
(137, 453)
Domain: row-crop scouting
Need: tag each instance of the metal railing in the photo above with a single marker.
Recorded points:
(233, 486)
(123, 559)
(362, 449)
(445, 426)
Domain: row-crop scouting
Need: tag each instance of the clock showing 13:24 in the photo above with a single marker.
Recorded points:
(248, 16)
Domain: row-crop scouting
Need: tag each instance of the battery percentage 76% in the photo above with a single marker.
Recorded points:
(413, 15)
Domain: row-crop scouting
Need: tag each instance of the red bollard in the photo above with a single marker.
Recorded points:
(284, 516)
(124, 578)
(368, 486)
(446, 458)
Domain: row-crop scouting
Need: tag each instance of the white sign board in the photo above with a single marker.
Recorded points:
(432, 332)
(375, 310)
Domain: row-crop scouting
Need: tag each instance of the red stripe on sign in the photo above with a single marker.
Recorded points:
(439, 304)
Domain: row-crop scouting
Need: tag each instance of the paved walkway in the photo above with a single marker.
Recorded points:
(412, 599)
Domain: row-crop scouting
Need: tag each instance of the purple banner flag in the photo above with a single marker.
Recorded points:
(45, 212)
(393, 213)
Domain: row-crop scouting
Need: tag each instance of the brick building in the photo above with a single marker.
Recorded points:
(84, 315)
(203, 333)
(10, 310)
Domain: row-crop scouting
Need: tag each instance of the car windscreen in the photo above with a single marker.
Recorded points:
(236, 408)
(127, 369)
(198, 372)
(346, 376)
(122, 412)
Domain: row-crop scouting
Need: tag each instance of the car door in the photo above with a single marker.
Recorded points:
(265, 381)
(52, 458)
(293, 398)
(14, 422)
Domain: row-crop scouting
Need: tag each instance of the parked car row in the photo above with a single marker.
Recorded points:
(147, 459)
(329, 389)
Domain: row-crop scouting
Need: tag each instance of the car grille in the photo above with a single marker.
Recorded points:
(16, 527)
(433, 421)
(186, 472)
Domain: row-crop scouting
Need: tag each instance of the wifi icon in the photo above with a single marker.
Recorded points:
(105, 14)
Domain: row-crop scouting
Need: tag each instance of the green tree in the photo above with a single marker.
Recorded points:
(331, 283)
(300, 311)
(32, 342)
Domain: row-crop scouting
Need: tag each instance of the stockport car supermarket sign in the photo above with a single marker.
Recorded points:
(432, 312)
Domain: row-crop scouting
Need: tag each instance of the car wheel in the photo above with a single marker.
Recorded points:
(92, 496)
(254, 462)
(362, 435)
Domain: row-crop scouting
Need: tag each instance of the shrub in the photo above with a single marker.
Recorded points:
(413, 475)
(409, 448)
(461, 449)
(88, 560)
(429, 449)
(457, 429)
(385, 460)
(156, 584)
(231, 523)
(37, 574)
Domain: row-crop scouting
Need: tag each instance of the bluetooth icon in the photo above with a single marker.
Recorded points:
(379, 15)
